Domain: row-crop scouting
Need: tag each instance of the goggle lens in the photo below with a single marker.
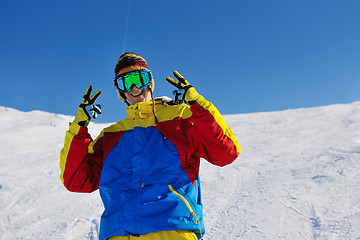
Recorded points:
(141, 79)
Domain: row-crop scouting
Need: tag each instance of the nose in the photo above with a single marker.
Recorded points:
(135, 89)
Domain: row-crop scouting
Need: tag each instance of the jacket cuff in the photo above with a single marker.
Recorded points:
(76, 129)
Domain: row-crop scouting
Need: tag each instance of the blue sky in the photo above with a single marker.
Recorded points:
(244, 56)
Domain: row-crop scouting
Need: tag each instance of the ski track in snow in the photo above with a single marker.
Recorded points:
(297, 177)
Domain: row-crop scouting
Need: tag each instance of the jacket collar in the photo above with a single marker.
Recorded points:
(144, 110)
(141, 110)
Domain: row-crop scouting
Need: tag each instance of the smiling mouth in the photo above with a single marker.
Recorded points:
(137, 95)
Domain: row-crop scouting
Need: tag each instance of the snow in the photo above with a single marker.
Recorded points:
(297, 177)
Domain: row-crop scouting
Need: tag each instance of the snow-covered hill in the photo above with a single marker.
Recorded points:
(298, 177)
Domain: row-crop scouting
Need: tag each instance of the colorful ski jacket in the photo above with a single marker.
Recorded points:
(147, 173)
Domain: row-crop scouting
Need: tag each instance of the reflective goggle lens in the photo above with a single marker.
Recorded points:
(140, 79)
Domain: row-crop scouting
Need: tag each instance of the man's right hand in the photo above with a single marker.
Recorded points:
(87, 109)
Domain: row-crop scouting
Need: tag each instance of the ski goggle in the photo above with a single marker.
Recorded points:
(141, 79)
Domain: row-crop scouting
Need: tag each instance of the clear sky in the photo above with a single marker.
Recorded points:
(244, 56)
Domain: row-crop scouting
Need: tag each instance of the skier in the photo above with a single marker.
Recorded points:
(146, 166)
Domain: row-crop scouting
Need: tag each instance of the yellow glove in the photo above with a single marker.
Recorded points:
(87, 109)
(186, 91)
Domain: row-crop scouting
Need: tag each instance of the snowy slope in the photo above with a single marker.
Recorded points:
(298, 177)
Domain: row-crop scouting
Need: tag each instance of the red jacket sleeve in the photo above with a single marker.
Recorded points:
(215, 140)
(80, 165)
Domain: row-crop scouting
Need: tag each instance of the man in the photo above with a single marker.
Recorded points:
(147, 166)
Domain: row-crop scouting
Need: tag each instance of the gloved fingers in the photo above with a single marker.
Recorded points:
(97, 108)
(174, 82)
(86, 97)
(180, 78)
(179, 95)
(87, 109)
(94, 97)
(93, 110)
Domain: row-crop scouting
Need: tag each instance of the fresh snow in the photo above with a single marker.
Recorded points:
(297, 177)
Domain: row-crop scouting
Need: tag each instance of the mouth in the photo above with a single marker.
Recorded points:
(137, 94)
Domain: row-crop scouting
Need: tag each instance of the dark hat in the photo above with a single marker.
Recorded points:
(129, 62)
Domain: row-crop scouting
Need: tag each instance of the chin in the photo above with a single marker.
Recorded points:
(143, 97)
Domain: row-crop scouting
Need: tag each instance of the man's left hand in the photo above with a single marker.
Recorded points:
(190, 95)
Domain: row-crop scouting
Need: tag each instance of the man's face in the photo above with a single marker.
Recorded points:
(137, 95)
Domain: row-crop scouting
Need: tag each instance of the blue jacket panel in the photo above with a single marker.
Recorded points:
(134, 187)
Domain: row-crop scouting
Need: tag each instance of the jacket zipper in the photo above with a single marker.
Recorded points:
(189, 207)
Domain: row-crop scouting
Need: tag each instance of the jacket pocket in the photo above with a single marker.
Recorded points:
(188, 204)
